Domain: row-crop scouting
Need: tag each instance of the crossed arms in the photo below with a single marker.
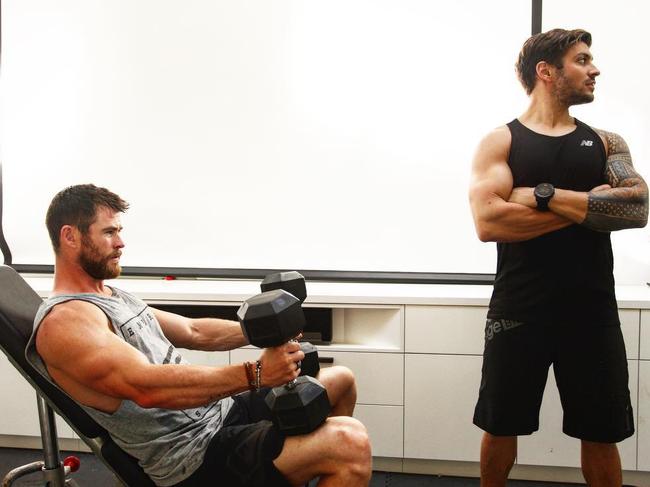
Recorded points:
(625, 204)
(506, 214)
(99, 369)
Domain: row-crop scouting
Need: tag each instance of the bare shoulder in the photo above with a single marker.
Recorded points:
(499, 137)
(74, 312)
(614, 143)
(70, 325)
(494, 147)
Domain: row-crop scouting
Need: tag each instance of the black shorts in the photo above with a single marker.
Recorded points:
(590, 367)
(241, 453)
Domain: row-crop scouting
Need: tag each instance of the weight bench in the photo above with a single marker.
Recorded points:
(18, 306)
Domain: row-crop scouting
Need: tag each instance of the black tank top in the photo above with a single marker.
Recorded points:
(565, 276)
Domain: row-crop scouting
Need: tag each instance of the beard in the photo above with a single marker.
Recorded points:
(568, 95)
(96, 265)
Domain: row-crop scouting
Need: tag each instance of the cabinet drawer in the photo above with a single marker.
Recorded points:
(440, 394)
(445, 329)
(643, 425)
(199, 357)
(630, 329)
(379, 376)
(385, 426)
(644, 352)
(18, 410)
(460, 330)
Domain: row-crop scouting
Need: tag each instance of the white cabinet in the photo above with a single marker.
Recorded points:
(385, 425)
(643, 425)
(417, 367)
(441, 390)
(370, 327)
(440, 394)
(445, 329)
(443, 346)
(199, 357)
(18, 410)
(247, 354)
(630, 319)
(369, 341)
(644, 347)
(379, 378)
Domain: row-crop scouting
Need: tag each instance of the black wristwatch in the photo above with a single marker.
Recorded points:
(543, 193)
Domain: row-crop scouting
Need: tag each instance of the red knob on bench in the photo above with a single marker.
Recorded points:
(72, 463)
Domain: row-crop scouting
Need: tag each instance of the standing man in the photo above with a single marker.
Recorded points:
(549, 189)
(188, 426)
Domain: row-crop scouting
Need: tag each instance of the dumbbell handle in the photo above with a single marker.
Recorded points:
(292, 383)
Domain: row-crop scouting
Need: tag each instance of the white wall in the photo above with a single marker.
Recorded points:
(255, 134)
(622, 104)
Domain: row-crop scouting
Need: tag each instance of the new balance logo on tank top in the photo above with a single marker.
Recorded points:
(169, 444)
(565, 276)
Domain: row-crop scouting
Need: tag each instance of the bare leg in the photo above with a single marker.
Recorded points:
(601, 464)
(338, 452)
(497, 457)
(341, 389)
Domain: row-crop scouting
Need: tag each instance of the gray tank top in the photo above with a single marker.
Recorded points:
(169, 444)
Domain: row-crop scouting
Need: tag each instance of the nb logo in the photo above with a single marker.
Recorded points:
(587, 143)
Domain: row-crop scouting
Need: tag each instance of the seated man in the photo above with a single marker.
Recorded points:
(187, 425)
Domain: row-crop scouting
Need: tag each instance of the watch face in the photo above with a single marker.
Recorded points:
(544, 190)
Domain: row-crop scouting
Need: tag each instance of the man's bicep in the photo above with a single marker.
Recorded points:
(87, 352)
(493, 182)
(619, 167)
(625, 205)
(491, 175)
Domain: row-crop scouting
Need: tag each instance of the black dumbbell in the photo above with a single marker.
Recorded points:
(294, 283)
(310, 365)
(271, 319)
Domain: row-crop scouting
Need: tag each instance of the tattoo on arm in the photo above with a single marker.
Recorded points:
(626, 204)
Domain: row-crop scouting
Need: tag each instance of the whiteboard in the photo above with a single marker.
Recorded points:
(252, 134)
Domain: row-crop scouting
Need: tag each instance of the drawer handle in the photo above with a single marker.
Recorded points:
(325, 360)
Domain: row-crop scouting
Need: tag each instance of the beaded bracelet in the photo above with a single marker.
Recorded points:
(258, 375)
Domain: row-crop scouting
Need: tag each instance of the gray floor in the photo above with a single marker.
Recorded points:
(94, 473)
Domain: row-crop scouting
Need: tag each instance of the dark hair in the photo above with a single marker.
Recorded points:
(548, 46)
(77, 206)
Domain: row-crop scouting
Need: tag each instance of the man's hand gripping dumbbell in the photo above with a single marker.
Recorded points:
(271, 319)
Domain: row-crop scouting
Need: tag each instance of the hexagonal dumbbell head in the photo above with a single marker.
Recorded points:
(309, 365)
(301, 408)
(271, 318)
(291, 281)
